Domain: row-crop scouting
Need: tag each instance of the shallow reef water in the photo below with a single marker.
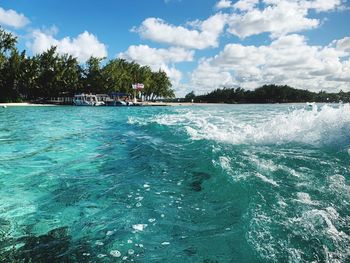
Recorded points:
(218, 183)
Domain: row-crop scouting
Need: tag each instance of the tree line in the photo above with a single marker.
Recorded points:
(268, 94)
(49, 74)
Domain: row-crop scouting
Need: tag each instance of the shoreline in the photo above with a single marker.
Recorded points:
(22, 104)
(28, 104)
(145, 103)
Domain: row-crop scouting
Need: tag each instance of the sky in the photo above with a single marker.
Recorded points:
(201, 44)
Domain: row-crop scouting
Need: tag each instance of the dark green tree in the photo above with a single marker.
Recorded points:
(93, 80)
(190, 96)
(9, 59)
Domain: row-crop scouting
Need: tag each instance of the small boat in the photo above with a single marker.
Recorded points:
(87, 100)
(119, 103)
(122, 103)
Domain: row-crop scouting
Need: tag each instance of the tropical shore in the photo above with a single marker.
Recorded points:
(146, 103)
(28, 104)
(23, 104)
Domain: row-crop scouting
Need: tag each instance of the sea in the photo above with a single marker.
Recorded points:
(204, 183)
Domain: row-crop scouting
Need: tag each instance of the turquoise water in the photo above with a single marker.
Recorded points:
(219, 183)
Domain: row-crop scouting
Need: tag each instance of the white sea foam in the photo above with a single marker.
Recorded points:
(263, 165)
(139, 227)
(338, 184)
(266, 180)
(322, 224)
(225, 163)
(314, 224)
(312, 127)
(115, 253)
(305, 199)
(323, 126)
(314, 220)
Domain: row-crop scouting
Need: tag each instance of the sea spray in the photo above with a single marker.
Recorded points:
(325, 125)
(218, 183)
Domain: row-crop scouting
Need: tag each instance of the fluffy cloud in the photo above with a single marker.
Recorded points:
(174, 74)
(208, 77)
(222, 4)
(159, 59)
(287, 60)
(245, 18)
(82, 47)
(343, 44)
(146, 55)
(321, 5)
(317, 5)
(205, 35)
(12, 18)
(245, 5)
(278, 17)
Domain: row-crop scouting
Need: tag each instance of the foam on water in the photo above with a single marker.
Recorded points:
(325, 126)
(313, 228)
(267, 180)
(306, 199)
(139, 227)
(228, 183)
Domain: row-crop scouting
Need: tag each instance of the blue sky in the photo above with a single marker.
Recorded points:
(201, 44)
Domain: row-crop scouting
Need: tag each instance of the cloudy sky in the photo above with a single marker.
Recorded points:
(201, 44)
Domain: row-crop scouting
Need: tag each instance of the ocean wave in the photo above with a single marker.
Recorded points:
(319, 228)
(326, 125)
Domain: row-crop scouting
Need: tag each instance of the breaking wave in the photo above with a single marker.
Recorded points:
(310, 227)
(326, 125)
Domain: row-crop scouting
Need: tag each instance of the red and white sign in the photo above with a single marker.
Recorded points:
(138, 86)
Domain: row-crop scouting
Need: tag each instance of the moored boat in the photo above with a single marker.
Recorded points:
(87, 100)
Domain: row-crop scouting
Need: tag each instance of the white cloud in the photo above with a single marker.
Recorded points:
(223, 4)
(12, 18)
(245, 5)
(82, 47)
(317, 5)
(343, 44)
(205, 36)
(146, 55)
(159, 59)
(245, 18)
(174, 74)
(287, 60)
(208, 77)
(278, 19)
(321, 5)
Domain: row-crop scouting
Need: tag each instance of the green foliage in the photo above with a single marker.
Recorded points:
(7, 41)
(10, 62)
(52, 75)
(160, 86)
(271, 94)
(93, 80)
(190, 96)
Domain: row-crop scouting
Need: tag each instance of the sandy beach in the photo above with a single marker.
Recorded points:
(24, 104)
(145, 103)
